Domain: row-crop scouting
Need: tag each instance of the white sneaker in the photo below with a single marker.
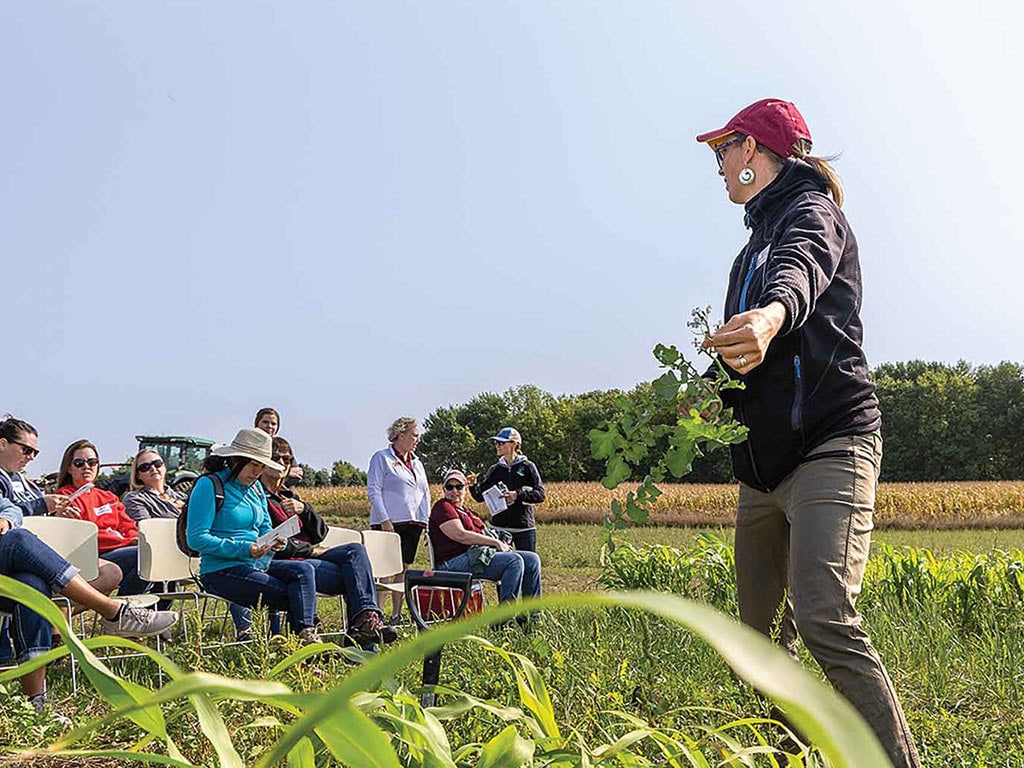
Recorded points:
(139, 622)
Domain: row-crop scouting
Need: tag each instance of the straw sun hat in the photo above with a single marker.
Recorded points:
(252, 444)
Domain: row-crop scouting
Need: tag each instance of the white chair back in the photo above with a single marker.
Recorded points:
(74, 540)
(384, 548)
(337, 536)
(159, 557)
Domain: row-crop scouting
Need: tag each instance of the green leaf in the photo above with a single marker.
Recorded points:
(666, 355)
(637, 514)
(302, 755)
(616, 472)
(604, 442)
(666, 386)
(679, 458)
(506, 750)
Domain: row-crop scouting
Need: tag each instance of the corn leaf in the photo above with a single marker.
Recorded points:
(506, 750)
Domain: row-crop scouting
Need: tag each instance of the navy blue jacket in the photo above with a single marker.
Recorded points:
(522, 476)
(813, 384)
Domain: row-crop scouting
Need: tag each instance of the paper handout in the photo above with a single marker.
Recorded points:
(494, 498)
(283, 532)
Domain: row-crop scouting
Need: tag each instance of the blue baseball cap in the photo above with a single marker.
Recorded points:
(508, 435)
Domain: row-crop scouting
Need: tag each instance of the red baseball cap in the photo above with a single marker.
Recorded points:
(775, 123)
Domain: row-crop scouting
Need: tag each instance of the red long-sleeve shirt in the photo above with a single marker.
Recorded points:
(104, 509)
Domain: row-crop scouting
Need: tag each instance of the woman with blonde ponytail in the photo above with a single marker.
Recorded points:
(809, 467)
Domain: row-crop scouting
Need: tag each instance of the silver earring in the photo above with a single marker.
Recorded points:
(746, 176)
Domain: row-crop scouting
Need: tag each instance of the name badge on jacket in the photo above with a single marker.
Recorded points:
(103, 510)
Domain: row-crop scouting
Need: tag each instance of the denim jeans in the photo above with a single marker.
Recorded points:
(6, 649)
(517, 573)
(286, 585)
(25, 558)
(524, 541)
(127, 559)
(803, 548)
(241, 617)
(345, 570)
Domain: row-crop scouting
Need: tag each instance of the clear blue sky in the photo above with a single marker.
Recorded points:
(357, 210)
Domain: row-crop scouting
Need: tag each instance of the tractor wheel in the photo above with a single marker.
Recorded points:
(184, 485)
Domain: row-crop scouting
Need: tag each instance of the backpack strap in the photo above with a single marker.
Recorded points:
(218, 491)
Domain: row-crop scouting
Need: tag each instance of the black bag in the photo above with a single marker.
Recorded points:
(182, 528)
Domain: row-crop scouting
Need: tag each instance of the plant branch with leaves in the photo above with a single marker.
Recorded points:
(682, 418)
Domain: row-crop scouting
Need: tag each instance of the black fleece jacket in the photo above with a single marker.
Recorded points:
(521, 476)
(813, 383)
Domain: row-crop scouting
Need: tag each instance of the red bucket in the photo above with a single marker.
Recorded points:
(440, 603)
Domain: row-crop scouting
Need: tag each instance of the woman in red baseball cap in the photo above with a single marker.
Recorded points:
(809, 468)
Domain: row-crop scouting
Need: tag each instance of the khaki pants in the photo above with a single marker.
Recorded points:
(810, 538)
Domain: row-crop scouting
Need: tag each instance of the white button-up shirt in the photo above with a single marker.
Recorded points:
(395, 493)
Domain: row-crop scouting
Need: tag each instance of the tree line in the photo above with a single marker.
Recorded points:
(940, 422)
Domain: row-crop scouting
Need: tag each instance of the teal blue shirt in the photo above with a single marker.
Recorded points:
(223, 538)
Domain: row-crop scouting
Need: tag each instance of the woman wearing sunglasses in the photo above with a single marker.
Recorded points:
(118, 536)
(809, 467)
(454, 528)
(24, 558)
(149, 495)
(344, 569)
(19, 444)
(269, 420)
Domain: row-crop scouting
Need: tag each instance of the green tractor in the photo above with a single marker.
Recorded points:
(183, 456)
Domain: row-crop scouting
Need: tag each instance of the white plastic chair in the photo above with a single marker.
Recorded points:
(337, 536)
(161, 562)
(384, 548)
(74, 540)
(77, 542)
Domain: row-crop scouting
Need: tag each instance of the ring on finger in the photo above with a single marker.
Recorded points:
(742, 360)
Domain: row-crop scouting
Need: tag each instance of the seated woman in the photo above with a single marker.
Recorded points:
(269, 420)
(24, 558)
(454, 528)
(149, 495)
(19, 445)
(341, 570)
(118, 536)
(232, 565)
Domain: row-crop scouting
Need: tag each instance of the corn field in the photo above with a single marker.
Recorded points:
(899, 505)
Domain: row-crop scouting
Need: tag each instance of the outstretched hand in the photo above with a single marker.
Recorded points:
(743, 341)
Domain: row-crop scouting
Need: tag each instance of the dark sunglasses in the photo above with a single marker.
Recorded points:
(26, 450)
(454, 486)
(720, 150)
(283, 458)
(79, 463)
(154, 464)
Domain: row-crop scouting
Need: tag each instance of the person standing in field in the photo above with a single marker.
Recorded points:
(399, 494)
(523, 485)
(809, 468)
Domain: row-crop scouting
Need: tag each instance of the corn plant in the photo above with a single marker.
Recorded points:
(356, 721)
